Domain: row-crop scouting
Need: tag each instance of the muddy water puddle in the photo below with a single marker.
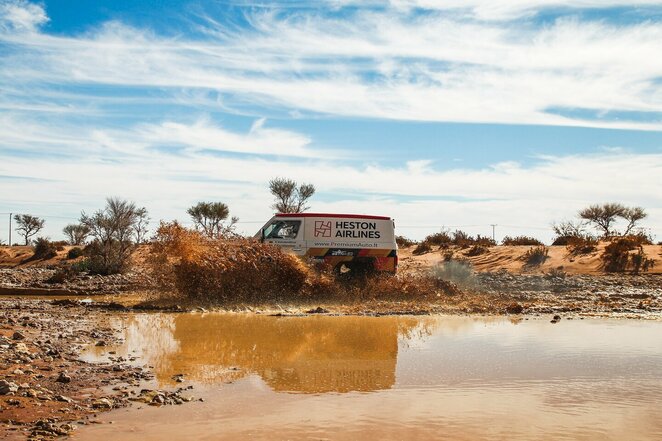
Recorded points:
(386, 378)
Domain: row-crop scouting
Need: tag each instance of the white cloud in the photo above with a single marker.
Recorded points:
(511, 9)
(419, 196)
(377, 64)
(21, 16)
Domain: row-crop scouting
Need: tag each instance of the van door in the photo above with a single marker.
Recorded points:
(287, 234)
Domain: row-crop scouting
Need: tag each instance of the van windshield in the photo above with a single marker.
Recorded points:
(282, 229)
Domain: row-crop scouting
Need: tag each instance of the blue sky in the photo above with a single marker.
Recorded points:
(456, 113)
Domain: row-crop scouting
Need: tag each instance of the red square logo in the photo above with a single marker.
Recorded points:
(322, 228)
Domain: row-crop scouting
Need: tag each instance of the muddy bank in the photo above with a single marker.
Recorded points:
(46, 390)
(604, 294)
(50, 281)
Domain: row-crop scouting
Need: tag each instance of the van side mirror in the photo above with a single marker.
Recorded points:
(262, 235)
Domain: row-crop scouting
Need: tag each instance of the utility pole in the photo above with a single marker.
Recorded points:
(9, 229)
(494, 232)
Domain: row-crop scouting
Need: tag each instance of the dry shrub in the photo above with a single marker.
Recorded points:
(477, 250)
(404, 242)
(579, 245)
(536, 256)
(74, 253)
(441, 239)
(463, 240)
(617, 256)
(520, 240)
(66, 273)
(44, 249)
(422, 248)
(458, 238)
(224, 270)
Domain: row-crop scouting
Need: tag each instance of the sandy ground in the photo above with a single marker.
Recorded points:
(510, 258)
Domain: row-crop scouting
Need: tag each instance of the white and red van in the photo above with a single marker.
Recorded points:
(342, 241)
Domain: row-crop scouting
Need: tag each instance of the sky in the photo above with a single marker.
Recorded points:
(442, 114)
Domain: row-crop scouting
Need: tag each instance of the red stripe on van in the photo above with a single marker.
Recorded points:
(333, 215)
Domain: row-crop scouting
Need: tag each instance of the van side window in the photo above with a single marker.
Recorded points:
(283, 229)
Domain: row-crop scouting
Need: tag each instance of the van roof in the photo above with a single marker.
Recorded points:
(336, 215)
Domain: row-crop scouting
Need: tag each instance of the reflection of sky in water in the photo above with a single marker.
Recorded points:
(447, 377)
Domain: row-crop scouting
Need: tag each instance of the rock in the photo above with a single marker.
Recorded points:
(63, 399)
(63, 378)
(18, 336)
(103, 403)
(318, 310)
(100, 343)
(7, 387)
(21, 348)
(556, 319)
(514, 308)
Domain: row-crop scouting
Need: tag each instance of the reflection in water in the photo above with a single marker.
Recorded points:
(295, 354)
(457, 378)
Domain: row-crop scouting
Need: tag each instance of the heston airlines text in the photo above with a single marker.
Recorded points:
(357, 230)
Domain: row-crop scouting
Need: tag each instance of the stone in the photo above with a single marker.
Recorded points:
(18, 336)
(63, 378)
(7, 387)
(103, 403)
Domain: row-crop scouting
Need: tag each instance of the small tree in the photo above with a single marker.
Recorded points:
(141, 225)
(210, 218)
(76, 233)
(113, 229)
(290, 197)
(603, 216)
(28, 225)
(633, 215)
(569, 228)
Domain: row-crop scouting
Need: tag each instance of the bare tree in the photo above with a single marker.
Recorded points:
(633, 215)
(28, 225)
(603, 216)
(210, 217)
(76, 233)
(290, 197)
(569, 228)
(142, 222)
(113, 229)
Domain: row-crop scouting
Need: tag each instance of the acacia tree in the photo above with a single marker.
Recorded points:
(633, 215)
(113, 229)
(76, 233)
(604, 216)
(28, 225)
(290, 197)
(210, 217)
